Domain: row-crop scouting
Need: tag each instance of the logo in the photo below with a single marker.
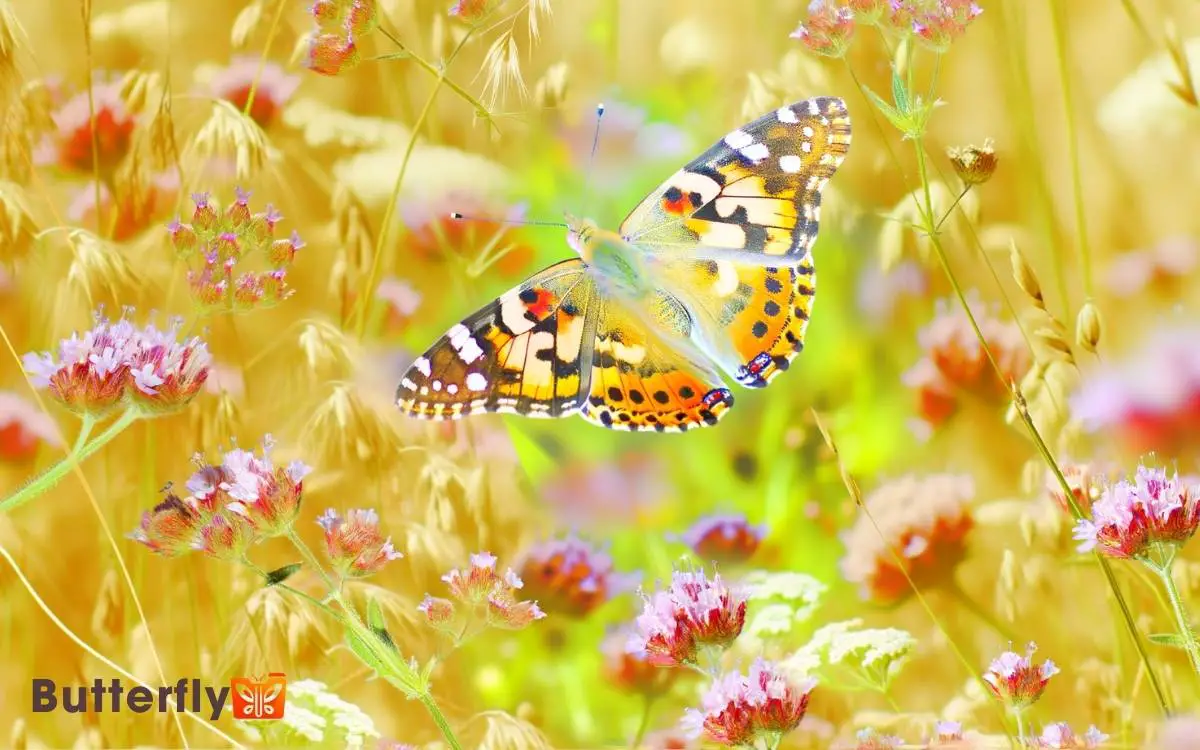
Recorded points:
(260, 697)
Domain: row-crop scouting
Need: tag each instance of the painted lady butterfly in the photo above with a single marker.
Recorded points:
(713, 269)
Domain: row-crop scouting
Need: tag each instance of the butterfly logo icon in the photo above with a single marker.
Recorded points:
(259, 698)
(712, 271)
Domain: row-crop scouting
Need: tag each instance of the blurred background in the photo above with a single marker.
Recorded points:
(1089, 112)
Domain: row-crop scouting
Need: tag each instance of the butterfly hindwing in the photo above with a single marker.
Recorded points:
(756, 191)
(640, 381)
(520, 354)
(749, 319)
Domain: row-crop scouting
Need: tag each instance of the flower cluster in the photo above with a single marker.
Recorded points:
(569, 577)
(480, 594)
(828, 28)
(221, 240)
(354, 544)
(71, 145)
(116, 363)
(870, 739)
(1085, 482)
(136, 206)
(1152, 399)
(1016, 681)
(739, 710)
(873, 656)
(1132, 519)
(724, 538)
(955, 361)
(333, 49)
(694, 613)
(829, 25)
(1060, 736)
(272, 87)
(922, 527)
(232, 505)
(471, 10)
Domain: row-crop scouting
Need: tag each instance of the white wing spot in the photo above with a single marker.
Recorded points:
(785, 114)
(437, 385)
(422, 366)
(790, 163)
(808, 132)
(739, 139)
(465, 344)
(477, 382)
(407, 383)
(812, 107)
(806, 147)
(452, 389)
(756, 152)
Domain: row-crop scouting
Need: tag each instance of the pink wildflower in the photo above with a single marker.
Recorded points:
(113, 124)
(354, 544)
(221, 241)
(633, 673)
(438, 612)
(171, 528)
(869, 739)
(724, 538)
(267, 497)
(1014, 679)
(828, 28)
(739, 710)
(23, 428)
(924, 521)
(134, 209)
(481, 587)
(115, 362)
(224, 538)
(471, 10)
(1151, 400)
(1163, 265)
(272, 88)
(1060, 736)
(693, 613)
(357, 17)
(332, 54)
(939, 23)
(1131, 519)
(570, 577)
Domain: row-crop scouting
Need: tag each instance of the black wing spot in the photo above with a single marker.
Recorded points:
(773, 286)
(771, 308)
(636, 396)
(800, 313)
(759, 329)
(686, 392)
(661, 397)
(528, 296)
(614, 394)
(606, 418)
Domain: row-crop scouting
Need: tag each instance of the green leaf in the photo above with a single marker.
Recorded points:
(279, 575)
(377, 623)
(1174, 640)
(894, 116)
(899, 93)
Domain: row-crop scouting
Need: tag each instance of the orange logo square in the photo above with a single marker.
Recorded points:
(259, 698)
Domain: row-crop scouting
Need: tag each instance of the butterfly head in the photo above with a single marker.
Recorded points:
(581, 236)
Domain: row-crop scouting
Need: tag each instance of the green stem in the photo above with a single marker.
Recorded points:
(440, 719)
(1060, 48)
(1182, 621)
(1035, 434)
(363, 305)
(1020, 717)
(291, 590)
(314, 563)
(644, 724)
(48, 478)
(439, 73)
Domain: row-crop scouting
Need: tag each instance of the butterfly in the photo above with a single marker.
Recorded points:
(712, 271)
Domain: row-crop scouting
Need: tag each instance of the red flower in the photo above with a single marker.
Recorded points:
(172, 528)
(828, 28)
(1016, 681)
(569, 577)
(724, 539)
(694, 612)
(74, 123)
(23, 427)
(354, 544)
(485, 592)
(739, 710)
(332, 54)
(274, 87)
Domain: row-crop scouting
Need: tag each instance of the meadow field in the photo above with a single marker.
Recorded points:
(960, 516)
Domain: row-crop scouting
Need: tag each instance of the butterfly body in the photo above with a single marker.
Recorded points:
(712, 271)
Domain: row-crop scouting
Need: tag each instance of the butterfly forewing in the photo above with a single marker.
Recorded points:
(756, 191)
(520, 354)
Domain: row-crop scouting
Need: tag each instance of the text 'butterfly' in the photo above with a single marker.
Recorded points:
(713, 271)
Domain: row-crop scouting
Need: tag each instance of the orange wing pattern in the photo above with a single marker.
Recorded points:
(639, 381)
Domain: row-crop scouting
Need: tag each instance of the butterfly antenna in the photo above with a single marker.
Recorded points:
(587, 188)
(516, 222)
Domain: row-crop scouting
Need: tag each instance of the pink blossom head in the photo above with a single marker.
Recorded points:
(740, 709)
(571, 577)
(725, 538)
(1060, 736)
(1016, 681)
(1155, 512)
(694, 612)
(272, 87)
(354, 544)
(23, 428)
